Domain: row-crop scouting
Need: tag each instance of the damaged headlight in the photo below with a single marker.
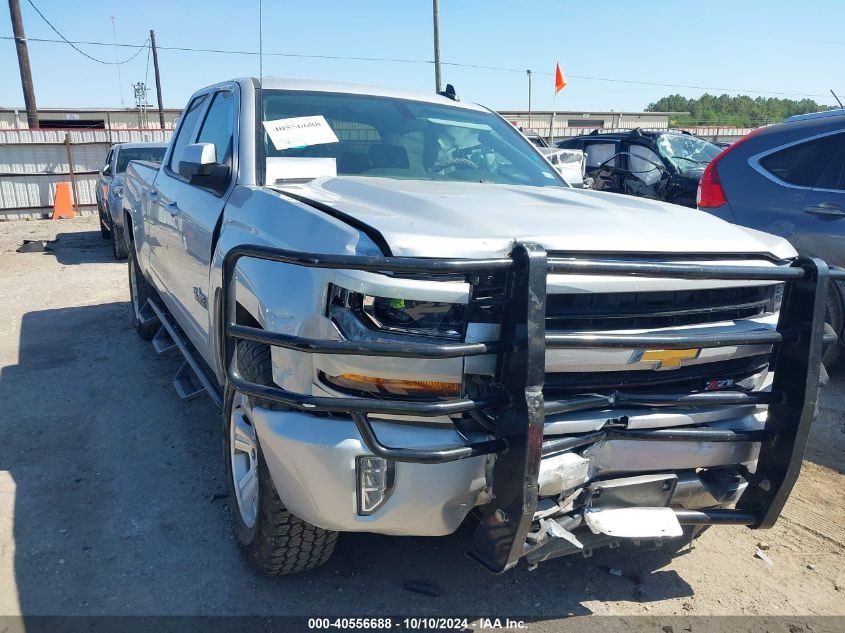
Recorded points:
(403, 316)
(776, 300)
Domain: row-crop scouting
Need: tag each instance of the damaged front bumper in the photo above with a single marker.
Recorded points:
(519, 520)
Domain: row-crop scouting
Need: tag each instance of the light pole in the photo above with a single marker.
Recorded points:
(436, 13)
(529, 98)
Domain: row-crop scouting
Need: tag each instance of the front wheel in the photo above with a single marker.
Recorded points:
(273, 540)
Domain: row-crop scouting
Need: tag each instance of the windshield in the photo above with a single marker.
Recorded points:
(127, 154)
(686, 152)
(311, 134)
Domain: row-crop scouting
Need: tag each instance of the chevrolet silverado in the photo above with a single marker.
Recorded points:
(409, 320)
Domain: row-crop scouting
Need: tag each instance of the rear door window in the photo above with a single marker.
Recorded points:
(833, 176)
(803, 163)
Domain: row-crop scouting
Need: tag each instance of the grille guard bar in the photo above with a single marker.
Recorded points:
(519, 444)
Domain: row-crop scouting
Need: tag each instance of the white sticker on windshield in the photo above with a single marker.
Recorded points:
(300, 131)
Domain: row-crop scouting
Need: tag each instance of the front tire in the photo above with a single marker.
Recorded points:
(139, 292)
(104, 230)
(118, 245)
(273, 540)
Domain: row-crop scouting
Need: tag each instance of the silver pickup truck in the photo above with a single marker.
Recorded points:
(410, 320)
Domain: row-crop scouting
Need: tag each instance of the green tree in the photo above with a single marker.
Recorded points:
(739, 111)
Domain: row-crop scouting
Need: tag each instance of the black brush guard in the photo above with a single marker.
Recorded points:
(519, 444)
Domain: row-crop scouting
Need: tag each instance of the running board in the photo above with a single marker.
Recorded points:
(183, 383)
(192, 368)
(147, 314)
(162, 341)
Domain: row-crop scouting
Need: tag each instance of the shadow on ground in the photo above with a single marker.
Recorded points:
(80, 247)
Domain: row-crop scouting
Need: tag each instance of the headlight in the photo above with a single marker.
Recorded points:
(118, 191)
(405, 316)
(358, 383)
(774, 304)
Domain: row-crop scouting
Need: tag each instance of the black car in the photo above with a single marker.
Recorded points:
(662, 165)
(789, 179)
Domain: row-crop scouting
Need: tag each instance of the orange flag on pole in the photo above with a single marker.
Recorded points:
(560, 80)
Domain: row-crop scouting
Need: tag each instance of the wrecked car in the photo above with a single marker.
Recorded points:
(409, 319)
(662, 165)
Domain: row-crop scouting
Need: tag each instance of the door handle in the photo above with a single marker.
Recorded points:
(172, 207)
(826, 209)
(152, 195)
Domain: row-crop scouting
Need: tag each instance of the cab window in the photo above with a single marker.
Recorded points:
(185, 135)
(219, 126)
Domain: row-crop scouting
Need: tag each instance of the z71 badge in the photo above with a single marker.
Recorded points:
(715, 385)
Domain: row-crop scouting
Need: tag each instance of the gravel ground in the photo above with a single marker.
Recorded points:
(110, 485)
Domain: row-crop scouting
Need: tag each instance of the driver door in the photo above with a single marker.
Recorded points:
(195, 211)
(645, 176)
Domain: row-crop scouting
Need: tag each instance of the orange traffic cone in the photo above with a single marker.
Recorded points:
(62, 205)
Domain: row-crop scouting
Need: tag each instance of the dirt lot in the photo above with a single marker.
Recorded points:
(110, 486)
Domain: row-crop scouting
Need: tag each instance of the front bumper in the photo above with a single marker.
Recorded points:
(516, 401)
(312, 461)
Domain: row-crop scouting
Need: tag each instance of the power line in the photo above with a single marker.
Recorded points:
(401, 60)
(79, 50)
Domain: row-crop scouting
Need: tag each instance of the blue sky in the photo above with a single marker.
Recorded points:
(770, 45)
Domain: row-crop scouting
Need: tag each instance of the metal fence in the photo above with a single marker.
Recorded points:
(721, 134)
(33, 162)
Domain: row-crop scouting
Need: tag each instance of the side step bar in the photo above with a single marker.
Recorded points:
(148, 314)
(162, 341)
(191, 369)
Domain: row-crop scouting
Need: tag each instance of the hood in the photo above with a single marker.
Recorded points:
(457, 219)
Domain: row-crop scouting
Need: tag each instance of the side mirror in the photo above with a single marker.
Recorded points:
(198, 159)
(107, 169)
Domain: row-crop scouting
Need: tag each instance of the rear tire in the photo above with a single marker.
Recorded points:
(139, 292)
(834, 316)
(273, 540)
(118, 245)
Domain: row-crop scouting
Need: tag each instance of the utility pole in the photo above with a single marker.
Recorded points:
(529, 98)
(158, 78)
(436, 12)
(23, 63)
(117, 62)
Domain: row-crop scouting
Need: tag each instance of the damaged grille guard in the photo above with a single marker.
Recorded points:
(519, 444)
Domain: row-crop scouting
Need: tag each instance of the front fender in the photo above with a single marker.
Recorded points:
(279, 297)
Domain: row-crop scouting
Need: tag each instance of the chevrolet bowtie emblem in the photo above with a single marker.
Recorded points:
(663, 358)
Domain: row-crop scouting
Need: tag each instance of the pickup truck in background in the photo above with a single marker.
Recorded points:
(109, 188)
(410, 320)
